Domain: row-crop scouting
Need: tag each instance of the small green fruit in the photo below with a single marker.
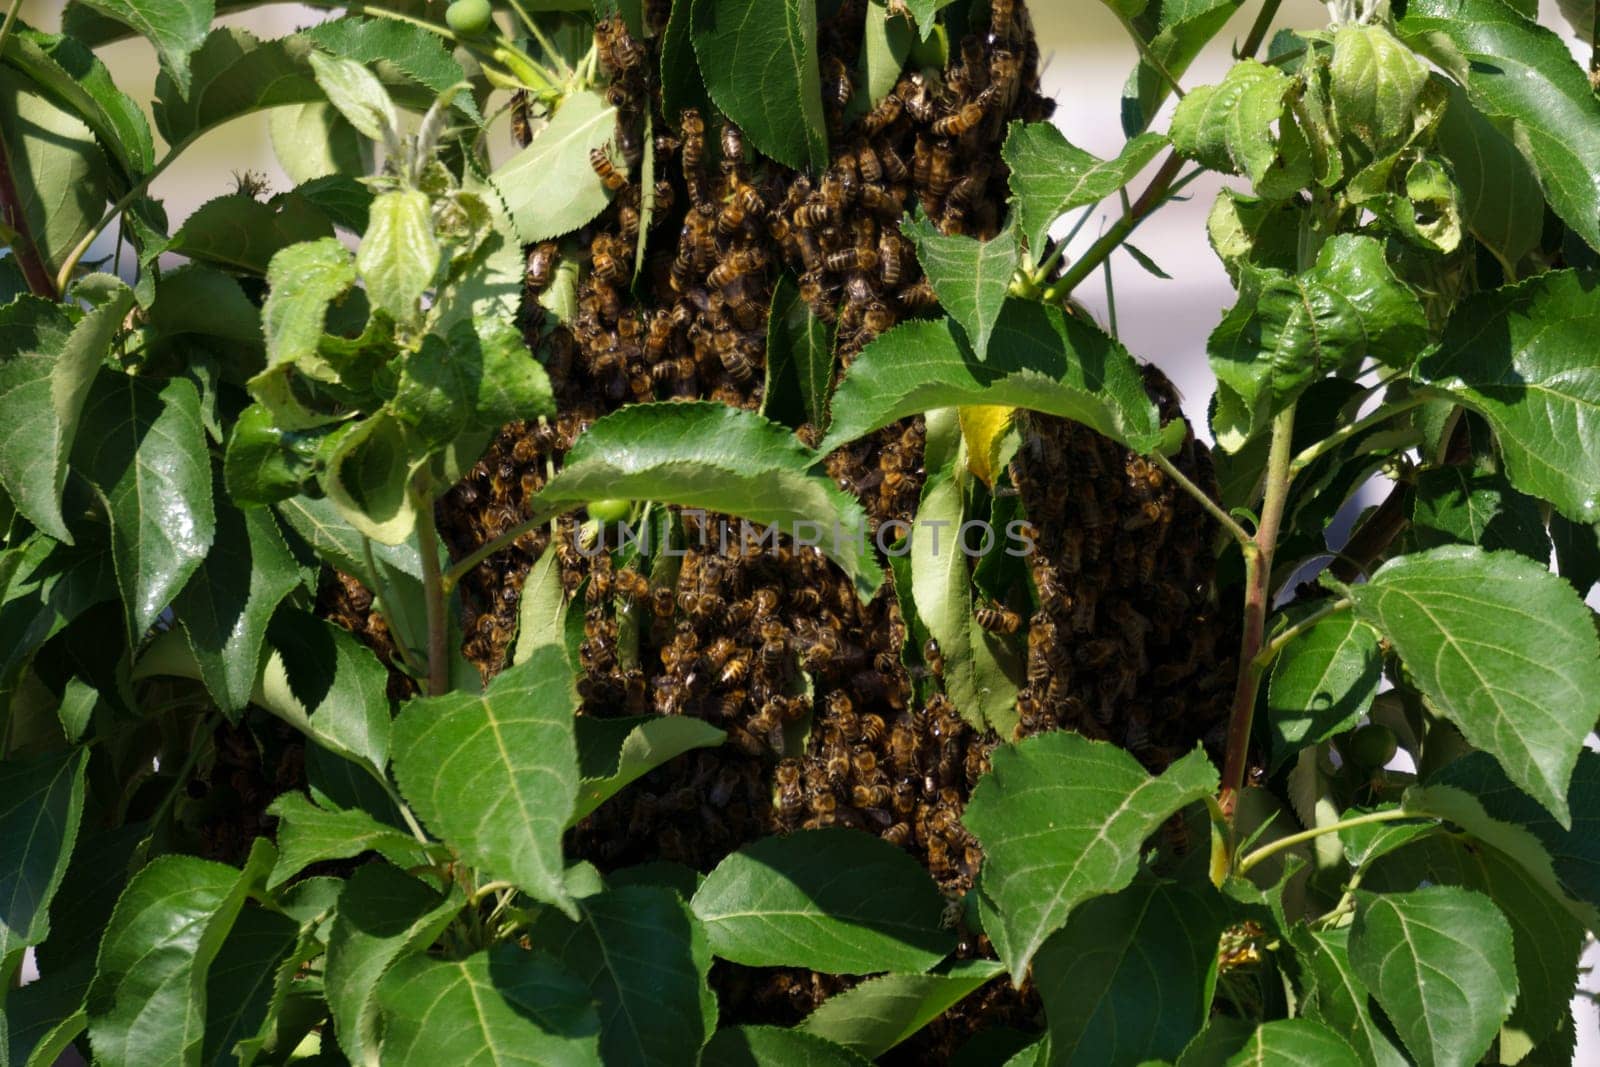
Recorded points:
(469, 18)
(610, 510)
(1371, 746)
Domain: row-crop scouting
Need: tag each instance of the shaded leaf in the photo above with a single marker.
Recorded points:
(227, 604)
(44, 386)
(1439, 962)
(59, 174)
(1050, 176)
(875, 1016)
(782, 901)
(41, 803)
(645, 960)
(549, 188)
(707, 455)
(781, 111)
(1475, 630)
(799, 344)
(1452, 505)
(1521, 357)
(244, 981)
(1338, 999)
(614, 752)
(1039, 359)
(310, 834)
(1118, 958)
(495, 773)
(147, 458)
(233, 74)
(175, 27)
(240, 233)
(761, 1046)
(1089, 807)
(1501, 202)
(502, 1006)
(1175, 32)
(1322, 683)
(324, 682)
(1520, 74)
(1295, 1043)
(383, 914)
(147, 1004)
(971, 277)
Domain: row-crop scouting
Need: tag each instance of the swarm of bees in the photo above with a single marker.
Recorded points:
(770, 642)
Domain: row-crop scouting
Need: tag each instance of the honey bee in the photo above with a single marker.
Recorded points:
(541, 264)
(870, 796)
(1002, 19)
(738, 355)
(882, 115)
(941, 170)
(790, 797)
(865, 764)
(813, 215)
(732, 147)
(607, 262)
(915, 96)
(878, 319)
(880, 202)
(872, 728)
(899, 834)
(521, 119)
(933, 657)
(600, 160)
(894, 168)
(837, 86)
(633, 585)
(849, 259)
(960, 121)
(693, 127)
(997, 619)
(919, 297)
(735, 265)
(619, 52)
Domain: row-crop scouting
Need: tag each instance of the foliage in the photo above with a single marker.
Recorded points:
(189, 453)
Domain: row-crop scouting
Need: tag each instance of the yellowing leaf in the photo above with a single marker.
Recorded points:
(983, 426)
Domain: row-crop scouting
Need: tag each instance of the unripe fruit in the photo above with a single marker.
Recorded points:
(1371, 746)
(610, 510)
(469, 18)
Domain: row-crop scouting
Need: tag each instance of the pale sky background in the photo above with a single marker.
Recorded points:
(1089, 57)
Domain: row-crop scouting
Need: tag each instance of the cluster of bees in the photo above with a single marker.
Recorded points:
(824, 719)
(1124, 644)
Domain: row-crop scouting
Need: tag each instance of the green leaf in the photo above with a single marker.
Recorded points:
(247, 981)
(338, 543)
(1454, 506)
(64, 69)
(496, 774)
(645, 960)
(1367, 843)
(59, 173)
(711, 456)
(1322, 684)
(309, 834)
(1129, 978)
(383, 914)
(1577, 552)
(1375, 84)
(1039, 359)
(1474, 793)
(44, 385)
(370, 466)
(1175, 32)
(1501, 202)
(614, 752)
(549, 188)
(1521, 76)
(501, 1006)
(241, 234)
(313, 141)
(147, 1004)
(329, 686)
(1338, 999)
(875, 1016)
(175, 27)
(1289, 330)
(39, 814)
(197, 304)
(1050, 176)
(801, 344)
(264, 464)
(1546, 939)
(399, 254)
(1521, 357)
(1088, 807)
(147, 458)
(975, 675)
(971, 277)
(233, 74)
(303, 280)
(1476, 629)
(413, 60)
(781, 111)
(885, 45)
(1295, 1043)
(226, 606)
(681, 86)
(781, 901)
(1439, 961)
(768, 1046)
(1229, 127)
(480, 377)
(359, 96)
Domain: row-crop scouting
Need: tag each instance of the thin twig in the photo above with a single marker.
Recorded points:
(1226, 521)
(1270, 651)
(1272, 848)
(432, 592)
